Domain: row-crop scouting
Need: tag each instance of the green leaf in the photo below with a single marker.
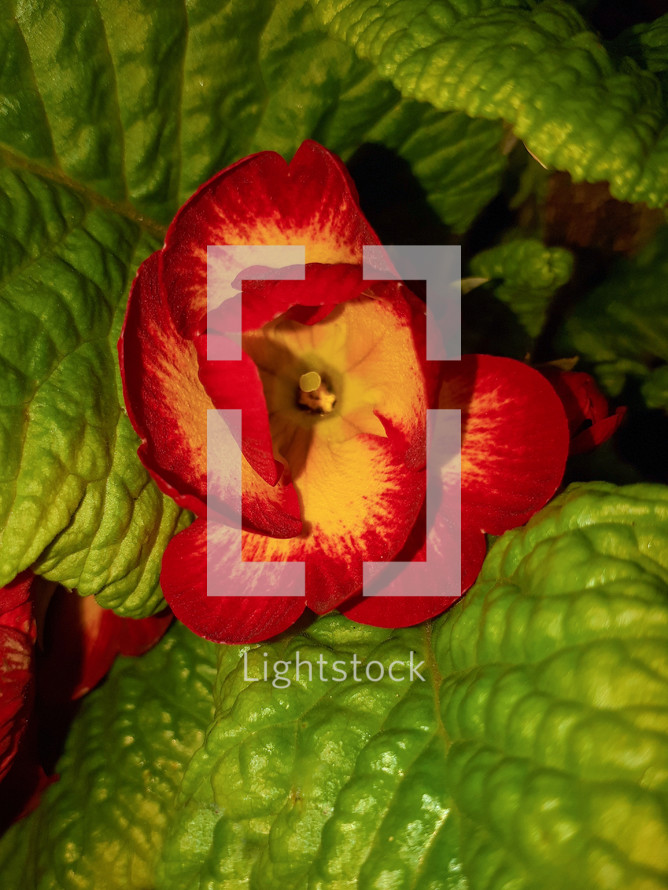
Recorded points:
(73, 493)
(647, 44)
(121, 769)
(578, 105)
(146, 101)
(525, 275)
(554, 697)
(111, 116)
(621, 326)
(534, 754)
(655, 388)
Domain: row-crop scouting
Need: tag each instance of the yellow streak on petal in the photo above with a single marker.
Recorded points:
(345, 479)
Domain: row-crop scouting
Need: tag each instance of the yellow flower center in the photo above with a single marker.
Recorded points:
(325, 386)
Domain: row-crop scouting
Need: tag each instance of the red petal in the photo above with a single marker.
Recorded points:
(514, 441)
(238, 385)
(324, 287)
(598, 433)
(135, 636)
(405, 611)
(16, 690)
(26, 781)
(581, 398)
(17, 638)
(82, 640)
(584, 403)
(514, 451)
(223, 619)
(163, 395)
(168, 405)
(12, 598)
(262, 200)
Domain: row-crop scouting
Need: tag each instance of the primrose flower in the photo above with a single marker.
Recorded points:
(334, 387)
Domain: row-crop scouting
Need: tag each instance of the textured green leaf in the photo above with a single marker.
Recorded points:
(578, 105)
(534, 755)
(525, 275)
(69, 467)
(554, 697)
(302, 84)
(146, 101)
(111, 115)
(621, 326)
(120, 772)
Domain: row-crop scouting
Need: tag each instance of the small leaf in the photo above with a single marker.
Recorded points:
(524, 275)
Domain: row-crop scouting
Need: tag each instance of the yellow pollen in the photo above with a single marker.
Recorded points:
(309, 381)
(314, 394)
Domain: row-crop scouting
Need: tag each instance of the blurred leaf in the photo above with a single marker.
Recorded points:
(621, 327)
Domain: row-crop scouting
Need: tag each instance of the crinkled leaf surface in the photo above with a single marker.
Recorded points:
(146, 101)
(621, 326)
(535, 754)
(71, 481)
(578, 105)
(111, 115)
(125, 756)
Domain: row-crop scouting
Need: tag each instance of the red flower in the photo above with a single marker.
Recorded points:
(78, 643)
(81, 641)
(17, 638)
(589, 420)
(334, 388)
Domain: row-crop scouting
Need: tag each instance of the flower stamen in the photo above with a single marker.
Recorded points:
(314, 394)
